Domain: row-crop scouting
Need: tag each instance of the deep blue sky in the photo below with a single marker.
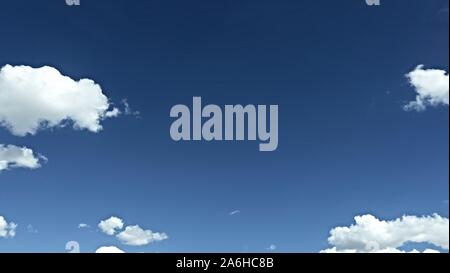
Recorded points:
(335, 68)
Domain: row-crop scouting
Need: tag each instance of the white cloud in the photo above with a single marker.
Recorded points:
(431, 86)
(234, 212)
(370, 234)
(83, 225)
(128, 110)
(7, 230)
(36, 98)
(109, 249)
(386, 250)
(131, 235)
(115, 112)
(136, 236)
(18, 157)
(111, 225)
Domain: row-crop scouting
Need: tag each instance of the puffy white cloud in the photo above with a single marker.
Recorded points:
(432, 88)
(7, 230)
(131, 235)
(18, 157)
(111, 225)
(109, 249)
(37, 98)
(136, 236)
(370, 234)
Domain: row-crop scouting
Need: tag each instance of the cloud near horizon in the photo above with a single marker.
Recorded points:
(131, 235)
(136, 236)
(370, 234)
(109, 249)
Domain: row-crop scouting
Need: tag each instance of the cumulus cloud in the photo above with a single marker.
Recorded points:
(111, 225)
(19, 157)
(131, 235)
(431, 86)
(36, 98)
(136, 236)
(7, 230)
(109, 249)
(370, 234)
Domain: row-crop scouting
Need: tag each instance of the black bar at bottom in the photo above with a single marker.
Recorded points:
(198, 262)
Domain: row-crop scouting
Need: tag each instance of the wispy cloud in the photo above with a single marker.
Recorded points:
(83, 225)
(127, 109)
(31, 229)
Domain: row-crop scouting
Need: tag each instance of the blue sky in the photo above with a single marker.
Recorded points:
(335, 68)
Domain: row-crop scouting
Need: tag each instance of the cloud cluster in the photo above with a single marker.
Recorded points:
(370, 234)
(50, 99)
(131, 235)
(33, 99)
(386, 250)
(7, 230)
(18, 157)
(431, 86)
